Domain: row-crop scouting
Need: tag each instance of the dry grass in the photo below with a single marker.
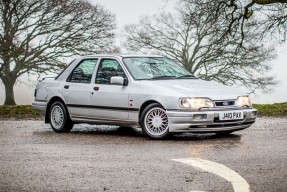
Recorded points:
(18, 112)
(272, 110)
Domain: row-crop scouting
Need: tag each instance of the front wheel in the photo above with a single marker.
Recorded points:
(154, 121)
(59, 118)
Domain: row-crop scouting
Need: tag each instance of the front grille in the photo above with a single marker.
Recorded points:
(224, 103)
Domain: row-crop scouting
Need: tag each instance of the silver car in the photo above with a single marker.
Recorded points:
(147, 91)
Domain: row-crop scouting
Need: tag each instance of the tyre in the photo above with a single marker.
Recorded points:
(154, 121)
(224, 133)
(59, 118)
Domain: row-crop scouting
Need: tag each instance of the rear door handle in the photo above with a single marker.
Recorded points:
(96, 88)
(66, 86)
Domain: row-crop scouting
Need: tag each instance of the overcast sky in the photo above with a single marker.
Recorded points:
(130, 11)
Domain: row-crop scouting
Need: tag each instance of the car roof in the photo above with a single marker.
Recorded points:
(120, 55)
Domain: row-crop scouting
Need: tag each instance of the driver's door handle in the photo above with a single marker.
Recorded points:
(96, 88)
(66, 86)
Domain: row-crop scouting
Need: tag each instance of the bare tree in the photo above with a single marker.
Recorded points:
(195, 38)
(270, 15)
(37, 36)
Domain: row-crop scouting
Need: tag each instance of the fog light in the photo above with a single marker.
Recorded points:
(254, 113)
(199, 117)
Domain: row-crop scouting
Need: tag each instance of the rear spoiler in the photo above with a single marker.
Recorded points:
(46, 77)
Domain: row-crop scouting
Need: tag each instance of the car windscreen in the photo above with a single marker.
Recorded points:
(142, 68)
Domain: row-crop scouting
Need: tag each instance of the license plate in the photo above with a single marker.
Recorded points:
(230, 115)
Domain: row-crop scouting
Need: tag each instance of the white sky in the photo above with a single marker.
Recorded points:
(130, 11)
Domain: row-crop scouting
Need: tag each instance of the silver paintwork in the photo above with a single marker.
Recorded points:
(117, 80)
(135, 95)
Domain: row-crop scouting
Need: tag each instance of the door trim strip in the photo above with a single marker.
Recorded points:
(102, 107)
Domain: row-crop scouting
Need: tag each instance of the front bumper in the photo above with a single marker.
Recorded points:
(183, 121)
(40, 106)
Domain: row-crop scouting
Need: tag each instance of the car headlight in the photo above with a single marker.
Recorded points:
(243, 101)
(195, 103)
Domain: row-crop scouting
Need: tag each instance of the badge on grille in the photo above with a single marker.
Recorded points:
(225, 103)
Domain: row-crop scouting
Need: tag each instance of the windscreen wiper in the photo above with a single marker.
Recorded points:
(187, 77)
(164, 77)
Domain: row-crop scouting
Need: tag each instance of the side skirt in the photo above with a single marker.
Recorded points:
(101, 121)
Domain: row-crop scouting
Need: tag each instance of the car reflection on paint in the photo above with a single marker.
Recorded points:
(147, 91)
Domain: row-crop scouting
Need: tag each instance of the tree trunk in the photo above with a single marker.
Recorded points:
(9, 99)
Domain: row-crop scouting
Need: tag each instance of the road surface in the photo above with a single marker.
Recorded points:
(102, 158)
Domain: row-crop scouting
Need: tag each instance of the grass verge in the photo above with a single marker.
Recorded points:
(27, 112)
(272, 110)
(19, 112)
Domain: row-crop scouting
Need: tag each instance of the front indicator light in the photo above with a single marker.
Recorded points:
(199, 117)
(254, 113)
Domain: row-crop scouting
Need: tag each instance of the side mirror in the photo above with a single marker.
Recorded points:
(118, 80)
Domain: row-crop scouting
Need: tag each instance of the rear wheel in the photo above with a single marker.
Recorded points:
(59, 118)
(154, 121)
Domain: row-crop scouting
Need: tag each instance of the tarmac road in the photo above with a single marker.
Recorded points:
(102, 158)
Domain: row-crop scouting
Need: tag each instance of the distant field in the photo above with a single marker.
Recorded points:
(27, 112)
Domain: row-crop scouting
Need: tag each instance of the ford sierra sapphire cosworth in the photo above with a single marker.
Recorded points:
(147, 91)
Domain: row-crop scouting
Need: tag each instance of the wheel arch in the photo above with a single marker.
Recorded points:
(145, 104)
(51, 101)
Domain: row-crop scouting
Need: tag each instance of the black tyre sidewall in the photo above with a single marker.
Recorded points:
(67, 124)
(225, 133)
(142, 119)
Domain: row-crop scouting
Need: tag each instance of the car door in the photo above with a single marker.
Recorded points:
(110, 101)
(77, 89)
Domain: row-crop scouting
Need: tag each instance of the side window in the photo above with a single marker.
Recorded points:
(83, 72)
(107, 69)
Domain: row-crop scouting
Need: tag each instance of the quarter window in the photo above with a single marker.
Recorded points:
(107, 69)
(84, 71)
